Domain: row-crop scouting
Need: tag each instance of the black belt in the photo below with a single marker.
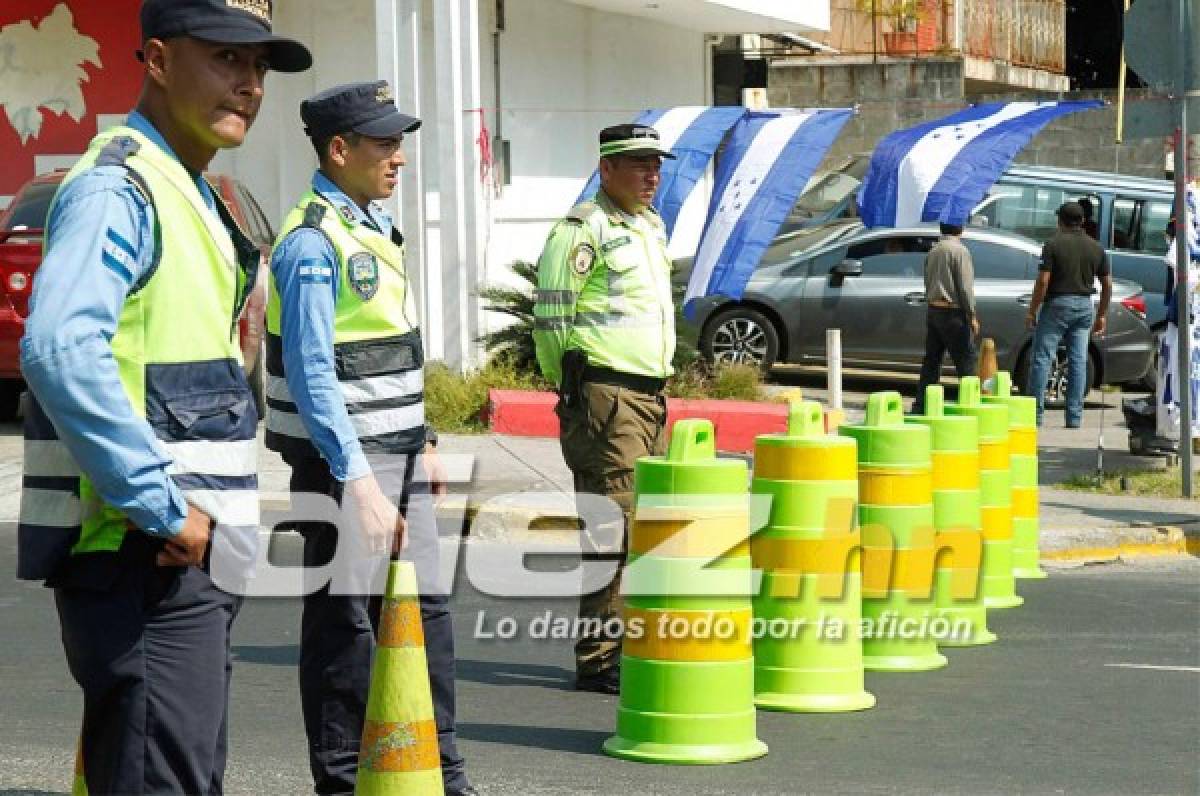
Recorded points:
(631, 381)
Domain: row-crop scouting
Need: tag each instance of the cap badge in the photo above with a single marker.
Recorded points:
(384, 94)
(257, 8)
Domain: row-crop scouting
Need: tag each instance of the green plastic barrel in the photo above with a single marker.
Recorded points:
(687, 665)
(809, 557)
(1023, 461)
(957, 518)
(995, 492)
(896, 519)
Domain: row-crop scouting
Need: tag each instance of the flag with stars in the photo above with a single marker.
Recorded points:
(766, 164)
(939, 171)
(692, 133)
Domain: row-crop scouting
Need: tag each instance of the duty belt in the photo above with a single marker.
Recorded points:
(648, 385)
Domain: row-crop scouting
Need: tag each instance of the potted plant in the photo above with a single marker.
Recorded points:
(902, 16)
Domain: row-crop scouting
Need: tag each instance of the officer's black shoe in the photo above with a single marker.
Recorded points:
(605, 682)
(469, 790)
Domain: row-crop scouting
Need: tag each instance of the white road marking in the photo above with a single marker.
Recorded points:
(1152, 666)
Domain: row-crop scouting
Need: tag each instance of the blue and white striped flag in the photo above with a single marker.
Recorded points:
(693, 134)
(768, 161)
(939, 171)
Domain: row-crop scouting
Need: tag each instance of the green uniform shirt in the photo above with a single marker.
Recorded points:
(604, 288)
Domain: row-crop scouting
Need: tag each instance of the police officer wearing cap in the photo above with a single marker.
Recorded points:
(605, 335)
(140, 471)
(345, 408)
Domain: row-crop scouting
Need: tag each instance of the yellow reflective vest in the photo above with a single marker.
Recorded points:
(604, 288)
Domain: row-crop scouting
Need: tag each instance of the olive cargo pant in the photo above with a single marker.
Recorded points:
(602, 435)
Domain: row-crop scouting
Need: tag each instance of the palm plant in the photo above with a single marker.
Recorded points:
(514, 341)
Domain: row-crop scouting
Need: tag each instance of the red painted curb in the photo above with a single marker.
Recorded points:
(531, 414)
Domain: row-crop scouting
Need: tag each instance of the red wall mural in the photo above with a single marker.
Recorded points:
(64, 58)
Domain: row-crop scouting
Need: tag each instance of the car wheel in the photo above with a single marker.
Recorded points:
(741, 336)
(1056, 382)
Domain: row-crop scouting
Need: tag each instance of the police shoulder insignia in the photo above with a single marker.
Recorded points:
(364, 275)
(347, 213)
(583, 257)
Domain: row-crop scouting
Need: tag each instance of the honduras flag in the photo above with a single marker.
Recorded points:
(939, 171)
(693, 135)
(767, 163)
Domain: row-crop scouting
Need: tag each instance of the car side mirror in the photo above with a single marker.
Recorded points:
(838, 274)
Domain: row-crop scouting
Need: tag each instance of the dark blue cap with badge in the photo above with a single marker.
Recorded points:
(224, 22)
(365, 108)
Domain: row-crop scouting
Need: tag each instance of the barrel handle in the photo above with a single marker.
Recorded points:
(885, 409)
(969, 391)
(935, 400)
(692, 440)
(1003, 382)
(805, 419)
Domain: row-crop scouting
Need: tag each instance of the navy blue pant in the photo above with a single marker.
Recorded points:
(337, 643)
(946, 331)
(149, 646)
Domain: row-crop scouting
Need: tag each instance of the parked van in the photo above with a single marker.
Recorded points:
(1129, 215)
(1129, 218)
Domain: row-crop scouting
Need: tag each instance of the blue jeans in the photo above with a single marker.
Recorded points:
(1070, 317)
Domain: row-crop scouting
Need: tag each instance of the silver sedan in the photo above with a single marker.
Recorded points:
(870, 285)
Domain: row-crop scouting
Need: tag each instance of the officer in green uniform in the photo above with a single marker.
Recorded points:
(605, 335)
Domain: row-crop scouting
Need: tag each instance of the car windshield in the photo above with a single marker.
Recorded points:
(30, 208)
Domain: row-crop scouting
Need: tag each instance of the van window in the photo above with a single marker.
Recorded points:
(1139, 224)
(1029, 209)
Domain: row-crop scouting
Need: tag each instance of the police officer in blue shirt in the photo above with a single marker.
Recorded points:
(140, 432)
(345, 408)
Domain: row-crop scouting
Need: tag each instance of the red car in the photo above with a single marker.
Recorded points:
(21, 228)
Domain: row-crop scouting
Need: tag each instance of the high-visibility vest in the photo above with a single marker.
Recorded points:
(180, 364)
(623, 316)
(378, 354)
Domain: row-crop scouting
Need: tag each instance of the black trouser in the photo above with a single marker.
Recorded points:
(149, 646)
(337, 642)
(946, 330)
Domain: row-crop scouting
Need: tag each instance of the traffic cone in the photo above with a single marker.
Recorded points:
(79, 785)
(812, 574)
(399, 754)
(959, 522)
(1023, 467)
(687, 663)
(895, 511)
(987, 359)
(995, 492)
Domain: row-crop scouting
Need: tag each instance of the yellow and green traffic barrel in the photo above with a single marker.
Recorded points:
(995, 492)
(895, 513)
(687, 664)
(810, 559)
(1023, 461)
(957, 519)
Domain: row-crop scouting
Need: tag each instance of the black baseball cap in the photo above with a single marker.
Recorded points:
(365, 108)
(226, 22)
(1071, 213)
(632, 139)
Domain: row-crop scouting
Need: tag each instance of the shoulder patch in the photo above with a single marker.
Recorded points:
(582, 258)
(117, 151)
(364, 275)
(583, 211)
(314, 214)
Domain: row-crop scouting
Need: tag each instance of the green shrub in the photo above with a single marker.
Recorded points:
(455, 403)
(723, 382)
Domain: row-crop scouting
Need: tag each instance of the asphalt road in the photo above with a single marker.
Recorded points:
(1058, 705)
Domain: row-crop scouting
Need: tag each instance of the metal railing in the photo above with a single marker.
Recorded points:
(1029, 33)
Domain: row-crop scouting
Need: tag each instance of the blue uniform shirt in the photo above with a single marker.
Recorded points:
(99, 243)
(306, 271)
